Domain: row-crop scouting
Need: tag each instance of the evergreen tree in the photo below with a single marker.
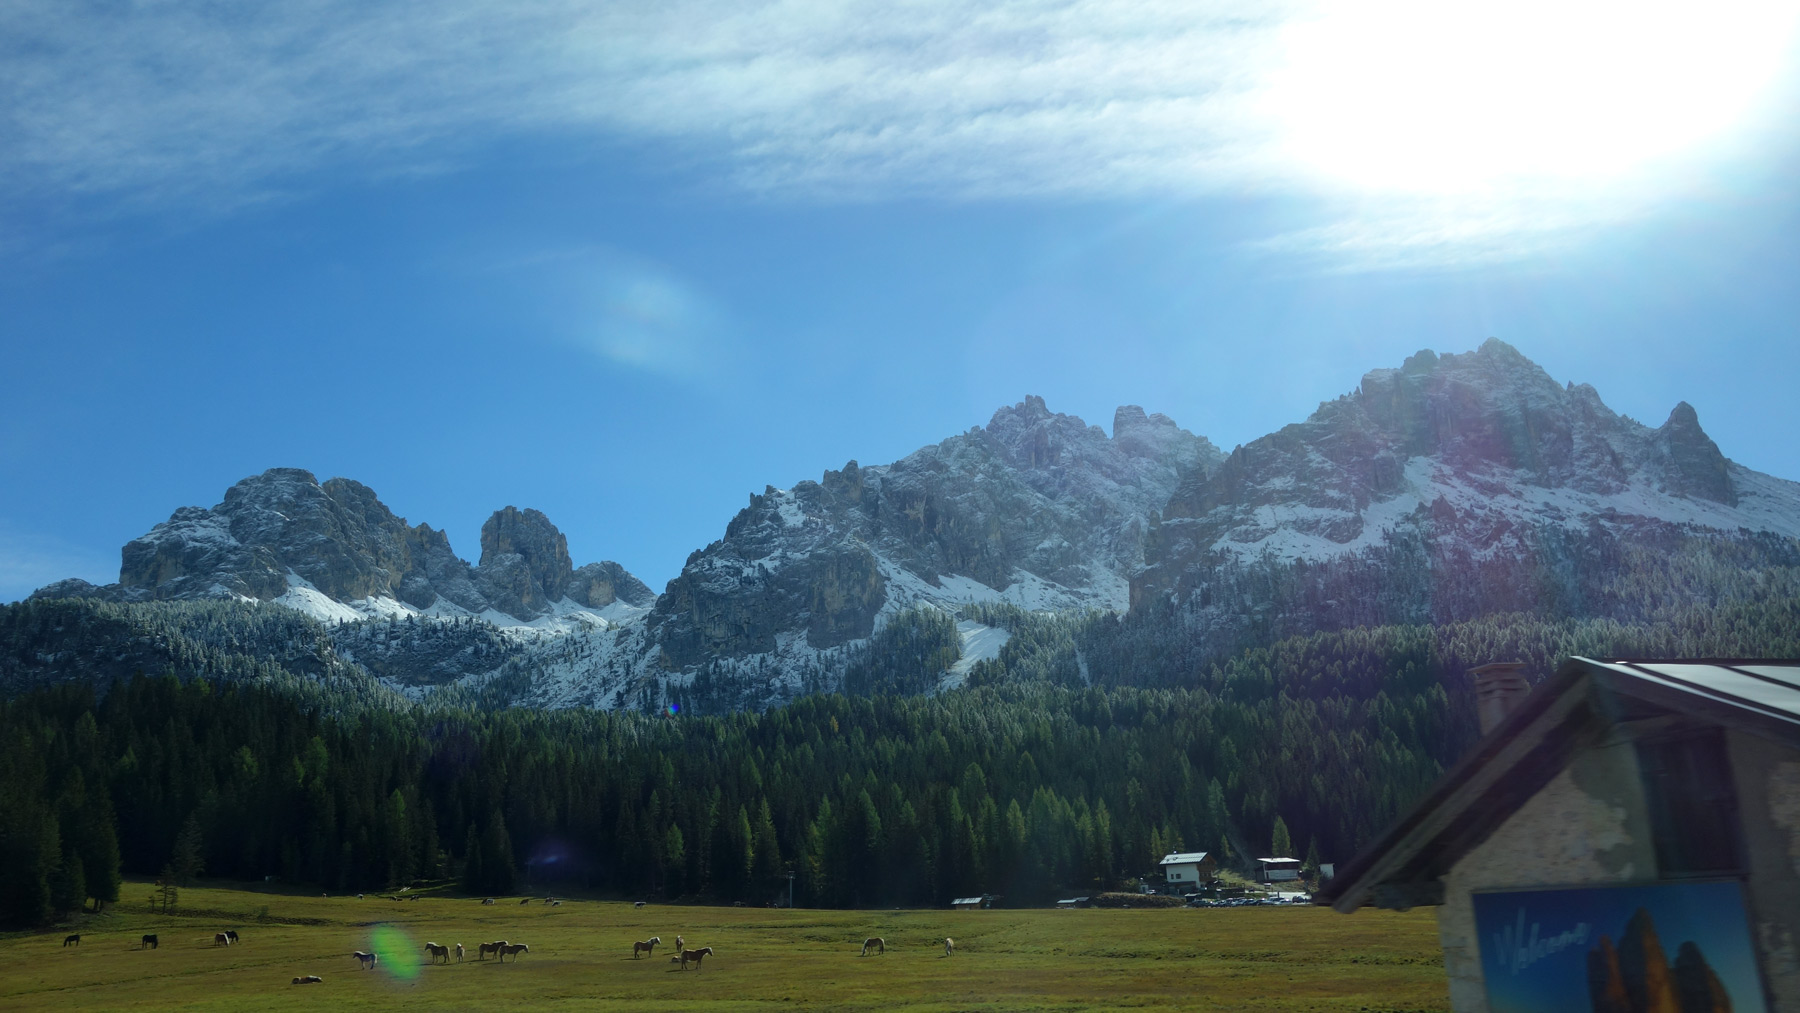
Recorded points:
(474, 878)
(189, 858)
(1280, 844)
(68, 888)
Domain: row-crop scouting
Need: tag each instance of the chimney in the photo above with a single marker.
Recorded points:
(1499, 689)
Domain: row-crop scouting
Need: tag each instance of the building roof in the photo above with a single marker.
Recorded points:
(1575, 708)
(1272, 861)
(1184, 858)
(969, 900)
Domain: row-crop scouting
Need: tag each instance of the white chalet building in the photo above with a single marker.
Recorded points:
(1186, 871)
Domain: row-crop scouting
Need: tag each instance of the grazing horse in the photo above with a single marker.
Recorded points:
(487, 948)
(437, 951)
(365, 960)
(695, 956)
(879, 944)
(949, 946)
(488, 902)
(638, 904)
(74, 940)
(149, 940)
(646, 946)
(513, 950)
(459, 953)
(232, 935)
(310, 979)
(524, 901)
(221, 939)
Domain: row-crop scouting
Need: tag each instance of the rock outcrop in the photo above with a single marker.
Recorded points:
(283, 535)
(1036, 507)
(1451, 487)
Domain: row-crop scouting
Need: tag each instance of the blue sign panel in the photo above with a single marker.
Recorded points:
(1667, 946)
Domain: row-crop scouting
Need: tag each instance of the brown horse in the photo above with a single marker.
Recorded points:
(877, 943)
(435, 951)
(487, 948)
(513, 950)
(645, 946)
(74, 940)
(695, 956)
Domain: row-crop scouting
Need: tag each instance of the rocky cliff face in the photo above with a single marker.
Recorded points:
(1451, 487)
(335, 549)
(1454, 486)
(1038, 508)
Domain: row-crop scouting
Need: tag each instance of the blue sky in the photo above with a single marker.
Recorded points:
(628, 265)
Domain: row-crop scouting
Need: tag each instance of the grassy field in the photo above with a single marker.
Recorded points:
(1210, 959)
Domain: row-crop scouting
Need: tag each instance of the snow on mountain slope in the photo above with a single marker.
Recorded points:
(1448, 488)
(1036, 508)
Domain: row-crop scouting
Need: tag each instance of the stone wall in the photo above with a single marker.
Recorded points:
(1768, 786)
(1587, 827)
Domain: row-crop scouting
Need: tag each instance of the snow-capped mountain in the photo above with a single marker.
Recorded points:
(1036, 508)
(336, 552)
(1452, 487)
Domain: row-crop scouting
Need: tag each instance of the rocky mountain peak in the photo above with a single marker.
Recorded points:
(525, 559)
(1693, 465)
(284, 535)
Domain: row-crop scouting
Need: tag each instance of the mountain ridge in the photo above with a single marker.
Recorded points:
(1450, 487)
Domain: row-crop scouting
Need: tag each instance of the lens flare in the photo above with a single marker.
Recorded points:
(398, 952)
(672, 709)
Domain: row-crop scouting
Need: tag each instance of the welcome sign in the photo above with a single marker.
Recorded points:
(1673, 946)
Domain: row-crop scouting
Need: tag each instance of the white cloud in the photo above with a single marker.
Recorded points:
(1528, 106)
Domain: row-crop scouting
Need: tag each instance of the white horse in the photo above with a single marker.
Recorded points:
(310, 979)
(949, 946)
(459, 953)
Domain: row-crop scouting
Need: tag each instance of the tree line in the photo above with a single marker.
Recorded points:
(1044, 775)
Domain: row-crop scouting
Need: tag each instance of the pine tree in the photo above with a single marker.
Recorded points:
(474, 879)
(68, 888)
(189, 859)
(1280, 844)
(497, 866)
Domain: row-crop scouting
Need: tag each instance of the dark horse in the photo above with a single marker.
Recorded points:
(149, 940)
(74, 940)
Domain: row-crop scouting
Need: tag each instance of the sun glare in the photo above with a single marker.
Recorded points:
(1441, 97)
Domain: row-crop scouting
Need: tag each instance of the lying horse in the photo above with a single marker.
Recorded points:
(74, 940)
(437, 951)
(647, 946)
(695, 956)
(512, 950)
(310, 979)
(365, 960)
(879, 944)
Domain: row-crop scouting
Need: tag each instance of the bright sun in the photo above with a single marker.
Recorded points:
(1450, 97)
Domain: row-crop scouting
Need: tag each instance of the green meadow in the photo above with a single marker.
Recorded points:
(1267, 958)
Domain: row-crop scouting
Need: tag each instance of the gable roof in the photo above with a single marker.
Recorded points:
(1184, 858)
(1569, 711)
